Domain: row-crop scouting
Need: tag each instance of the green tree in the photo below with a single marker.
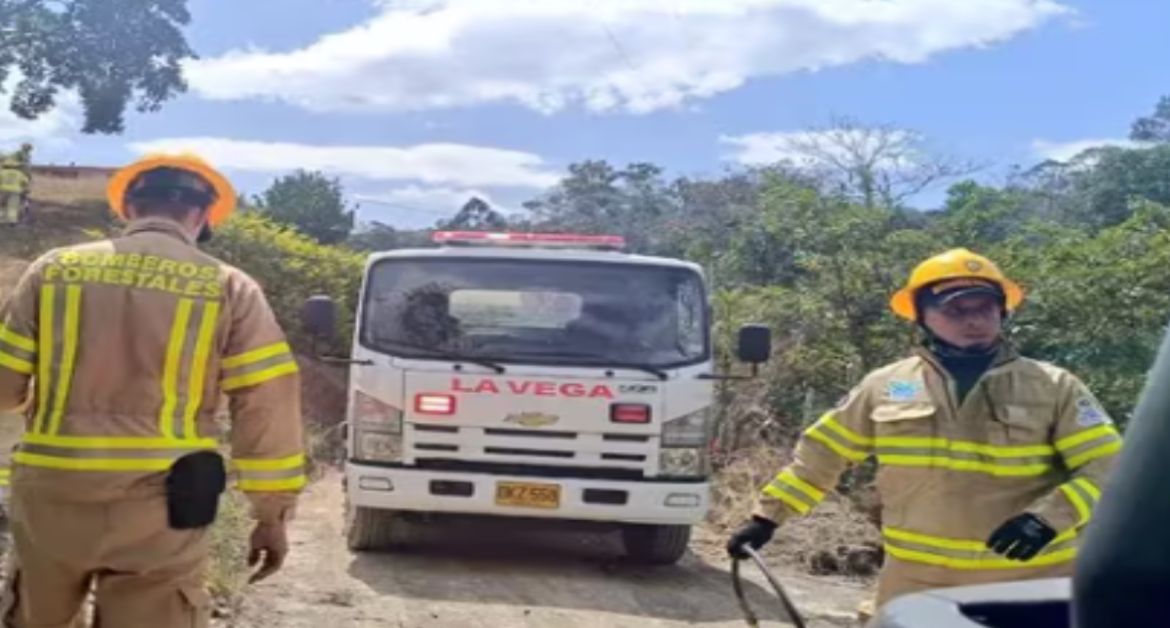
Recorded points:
(291, 267)
(475, 215)
(597, 198)
(109, 53)
(1098, 302)
(379, 236)
(1154, 127)
(312, 203)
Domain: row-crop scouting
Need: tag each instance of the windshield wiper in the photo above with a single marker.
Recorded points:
(451, 355)
(645, 368)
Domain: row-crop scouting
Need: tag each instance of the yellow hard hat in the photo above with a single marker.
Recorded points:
(225, 194)
(955, 264)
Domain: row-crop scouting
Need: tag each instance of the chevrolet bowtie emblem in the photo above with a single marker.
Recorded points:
(532, 419)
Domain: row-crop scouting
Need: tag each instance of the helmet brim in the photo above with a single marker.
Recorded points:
(218, 212)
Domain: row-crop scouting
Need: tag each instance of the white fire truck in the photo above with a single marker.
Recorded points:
(530, 375)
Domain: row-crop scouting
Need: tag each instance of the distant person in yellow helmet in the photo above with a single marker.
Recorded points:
(14, 187)
(132, 342)
(989, 463)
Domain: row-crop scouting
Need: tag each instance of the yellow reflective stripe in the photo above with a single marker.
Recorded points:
(118, 442)
(1055, 558)
(829, 421)
(1068, 442)
(289, 484)
(1075, 499)
(994, 451)
(92, 464)
(1111, 447)
(1088, 487)
(44, 357)
(69, 355)
(170, 379)
(841, 450)
(943, 542)
(277, 464)
(935, 541)
(256, 355)
(964, 465)
(791, 479)
(793, 502)
(20, 342)
(14, 363)
(259, 377)
(199, 366)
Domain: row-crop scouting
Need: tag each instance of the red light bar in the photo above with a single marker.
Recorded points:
(629, 413)
(568, 240)
(442, 405)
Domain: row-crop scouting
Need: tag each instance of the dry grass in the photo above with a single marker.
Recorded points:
(324, 392)
(52, 190)
(228, 573)
(838, 537)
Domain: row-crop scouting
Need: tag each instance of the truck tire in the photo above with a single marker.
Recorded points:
(371, 529)
(656, 544)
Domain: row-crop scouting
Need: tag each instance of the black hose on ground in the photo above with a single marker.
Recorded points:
(737, 584)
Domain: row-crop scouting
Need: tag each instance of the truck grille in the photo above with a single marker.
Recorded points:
(528, 470)
(632, 454)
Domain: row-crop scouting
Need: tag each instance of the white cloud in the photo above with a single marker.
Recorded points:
(815, 148)
(447, 164)
(1064, 151)
(52, 127)
(631, 55)
(436, 201)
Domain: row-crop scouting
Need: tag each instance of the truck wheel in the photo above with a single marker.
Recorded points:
(656, 544)
(373, 529)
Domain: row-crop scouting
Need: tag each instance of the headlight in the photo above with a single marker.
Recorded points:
(377, 429)
(379, 447)
(373, 414)
(688, 462)
(687, 431)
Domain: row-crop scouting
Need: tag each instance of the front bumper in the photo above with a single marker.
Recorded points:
(402, 488)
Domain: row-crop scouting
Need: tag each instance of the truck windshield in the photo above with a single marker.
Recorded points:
(544, 312)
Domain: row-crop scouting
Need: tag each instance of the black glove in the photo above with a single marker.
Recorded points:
(755, 533)
(1021, 537)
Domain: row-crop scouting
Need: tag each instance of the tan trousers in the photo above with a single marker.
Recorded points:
(10, 206)
(143, 574)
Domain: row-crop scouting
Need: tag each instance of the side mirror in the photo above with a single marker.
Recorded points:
(319, 317)
(755, 344)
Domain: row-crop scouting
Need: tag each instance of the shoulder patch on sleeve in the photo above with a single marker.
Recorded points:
(1090, 413)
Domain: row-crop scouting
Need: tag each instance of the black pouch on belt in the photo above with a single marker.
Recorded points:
(194, 485)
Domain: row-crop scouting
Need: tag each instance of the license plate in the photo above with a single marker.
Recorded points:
(526, 495)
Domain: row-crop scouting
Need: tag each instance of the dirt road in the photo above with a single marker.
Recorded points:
(502, 576)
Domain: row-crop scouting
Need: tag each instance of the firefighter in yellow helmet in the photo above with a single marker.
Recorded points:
(989, 463)
(132, 343)
(14, 187)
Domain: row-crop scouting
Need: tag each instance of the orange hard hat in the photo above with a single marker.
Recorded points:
(225, 195)
(955, 264)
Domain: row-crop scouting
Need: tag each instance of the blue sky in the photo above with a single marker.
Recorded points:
(416, 105)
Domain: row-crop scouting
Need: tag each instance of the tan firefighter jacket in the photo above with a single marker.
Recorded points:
(125, 347)
(1029, 437)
